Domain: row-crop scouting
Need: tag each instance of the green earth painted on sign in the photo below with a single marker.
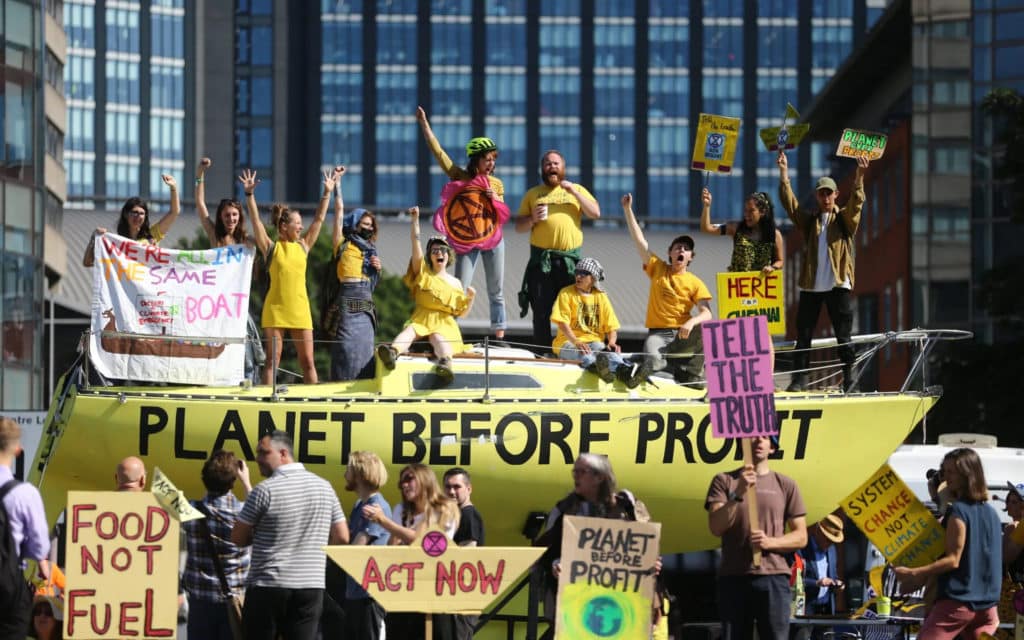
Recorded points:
(603, 617)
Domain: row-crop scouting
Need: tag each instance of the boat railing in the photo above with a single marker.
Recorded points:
(825, 369)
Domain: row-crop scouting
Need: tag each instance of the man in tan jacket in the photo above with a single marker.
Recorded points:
(827, 271)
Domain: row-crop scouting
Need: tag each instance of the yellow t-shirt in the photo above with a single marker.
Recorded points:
(350, 265)
(1017, 535)
(562, 230)
(672, 296)
(589, 315)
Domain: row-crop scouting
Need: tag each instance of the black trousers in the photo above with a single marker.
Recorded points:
(544, 288)
(839, 303)
(273, 612)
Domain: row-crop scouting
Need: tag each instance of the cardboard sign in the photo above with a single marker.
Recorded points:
(164, 315)
(434, 575)
(738, 367)
(788, 135)
(855, 144)
(172, 499)
(892, 517)
(753, 293)
(607, 579)
(715, 145)
(122, 567)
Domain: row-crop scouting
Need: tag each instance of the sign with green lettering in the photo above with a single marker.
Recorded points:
(855, 143)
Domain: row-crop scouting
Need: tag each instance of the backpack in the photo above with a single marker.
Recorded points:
(330, 288)
(13, 586)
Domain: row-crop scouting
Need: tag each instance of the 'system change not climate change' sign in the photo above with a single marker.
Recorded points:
(892, 517)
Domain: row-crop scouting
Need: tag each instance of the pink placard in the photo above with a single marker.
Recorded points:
(738, 367)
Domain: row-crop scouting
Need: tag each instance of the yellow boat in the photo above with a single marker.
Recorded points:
(515, 423)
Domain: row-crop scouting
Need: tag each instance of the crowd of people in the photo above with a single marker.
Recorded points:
(266, 544)
(560, 286)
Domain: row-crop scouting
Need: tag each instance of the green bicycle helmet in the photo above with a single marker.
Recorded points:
(480, 145)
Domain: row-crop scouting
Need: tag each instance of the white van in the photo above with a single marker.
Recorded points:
(912, 463)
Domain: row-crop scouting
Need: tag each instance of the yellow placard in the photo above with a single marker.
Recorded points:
(715, 145)
(122, 567)
(892, 517)
(607, 581)
(753, 293)
(434, 575)
(172, 499)
(855, 143)
(776, 138)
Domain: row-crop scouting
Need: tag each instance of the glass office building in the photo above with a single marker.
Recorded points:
(32, 126)
(614, 85)
(125, 85)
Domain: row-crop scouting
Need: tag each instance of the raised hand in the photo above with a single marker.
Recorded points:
(170, 181)
(782, 161)
(249, 181)
(205, 163)
(627, 201)
(705, 196)
(414, 219)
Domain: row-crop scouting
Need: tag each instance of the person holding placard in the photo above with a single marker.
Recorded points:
(752, 594)
(969, 572)
(672, 327)
(482, 156)
(595, 495)
(756, 242)
(133, 223)
(827, 271)
(228, 228)
(439, 298)
(286, 307)
(553, 214)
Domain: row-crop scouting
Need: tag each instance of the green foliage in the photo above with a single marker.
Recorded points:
(394, 306)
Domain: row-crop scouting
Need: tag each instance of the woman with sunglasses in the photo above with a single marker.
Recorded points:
(423, 505)
(757, 244)
(134, 222)
(47, 618)
(439, 300)
(286, 307)
(354, 242)
(227, 229)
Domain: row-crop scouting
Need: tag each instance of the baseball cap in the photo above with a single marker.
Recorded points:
(826, 183)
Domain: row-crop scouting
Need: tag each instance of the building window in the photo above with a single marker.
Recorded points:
(54, 72)
(54, 142)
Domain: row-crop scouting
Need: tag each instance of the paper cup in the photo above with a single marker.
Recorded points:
(883, 607)
(542, 213)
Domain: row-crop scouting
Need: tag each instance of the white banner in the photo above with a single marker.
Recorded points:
(165, 315)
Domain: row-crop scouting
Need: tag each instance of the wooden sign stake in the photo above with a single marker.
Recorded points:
(751, 498)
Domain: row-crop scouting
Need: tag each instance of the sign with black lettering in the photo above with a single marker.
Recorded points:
(122, 567)
(738, 366)
(607, 580)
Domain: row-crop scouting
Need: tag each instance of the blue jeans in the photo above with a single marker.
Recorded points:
(569, 352)
(494, 269)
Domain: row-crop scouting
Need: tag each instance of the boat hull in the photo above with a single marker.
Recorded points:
(518, 446)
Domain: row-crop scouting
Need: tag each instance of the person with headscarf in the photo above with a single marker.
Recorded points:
(354, 241)
(588, 328)
(439, 299)
(482, 156)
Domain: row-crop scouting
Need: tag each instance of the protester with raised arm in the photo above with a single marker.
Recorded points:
(286, 307)
(134, 223)
(756, 242)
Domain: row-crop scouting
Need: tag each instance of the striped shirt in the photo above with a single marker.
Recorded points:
(292, 513)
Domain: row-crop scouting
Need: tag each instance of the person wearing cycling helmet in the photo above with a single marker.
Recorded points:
(482, 154)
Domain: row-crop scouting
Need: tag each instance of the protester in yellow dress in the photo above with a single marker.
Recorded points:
(286, 306)
(439, 299)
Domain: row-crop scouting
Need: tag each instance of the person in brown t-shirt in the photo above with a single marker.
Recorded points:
(749, 594)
